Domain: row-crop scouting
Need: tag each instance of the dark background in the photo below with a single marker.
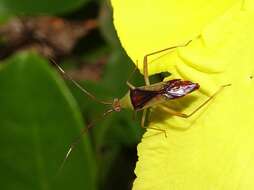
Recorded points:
(41, 114)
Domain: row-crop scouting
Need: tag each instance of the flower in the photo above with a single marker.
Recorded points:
(213, 149)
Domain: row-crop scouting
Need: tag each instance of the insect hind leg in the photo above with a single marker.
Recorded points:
(184, 115)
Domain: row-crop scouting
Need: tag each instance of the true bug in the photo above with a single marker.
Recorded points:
(144, 97)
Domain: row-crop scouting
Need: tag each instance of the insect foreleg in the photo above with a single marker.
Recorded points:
(130, 85)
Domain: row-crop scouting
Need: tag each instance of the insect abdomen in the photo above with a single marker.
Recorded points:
(139, 98)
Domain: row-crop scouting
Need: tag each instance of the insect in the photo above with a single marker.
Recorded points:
(145, 97)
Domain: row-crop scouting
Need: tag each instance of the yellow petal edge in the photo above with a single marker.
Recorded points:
(212, 150)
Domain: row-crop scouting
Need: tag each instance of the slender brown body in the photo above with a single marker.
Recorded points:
(144, 97)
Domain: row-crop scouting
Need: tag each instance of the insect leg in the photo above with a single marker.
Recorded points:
(145, 62)
(130, 85)
(154, 128)
(127, 82)
(183, 115)
(143, 119)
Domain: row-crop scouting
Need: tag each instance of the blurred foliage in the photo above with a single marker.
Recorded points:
(40, 6)
(41, 116)
(36, 128)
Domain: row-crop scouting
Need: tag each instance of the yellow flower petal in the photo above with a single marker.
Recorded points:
(214, 148)
(145, 26)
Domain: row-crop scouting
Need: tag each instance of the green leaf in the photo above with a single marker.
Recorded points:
(39, 6)
(38, 120)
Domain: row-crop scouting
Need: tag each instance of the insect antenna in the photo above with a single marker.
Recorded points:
(78, 85)
(79, 138)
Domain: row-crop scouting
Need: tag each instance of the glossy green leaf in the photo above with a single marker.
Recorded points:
(38, 120)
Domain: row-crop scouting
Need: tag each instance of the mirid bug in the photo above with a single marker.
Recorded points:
(145, 97)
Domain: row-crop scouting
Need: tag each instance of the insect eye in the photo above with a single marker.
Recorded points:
(118, 109)
(116, 105)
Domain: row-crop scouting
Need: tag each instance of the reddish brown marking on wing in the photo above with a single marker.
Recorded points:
(178, 88)
(172, 89)
(139, 97)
